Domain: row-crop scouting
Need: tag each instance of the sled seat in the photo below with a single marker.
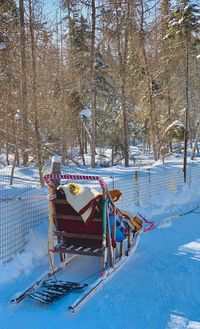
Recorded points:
(72, 249)
(73, 234)
(86, 221)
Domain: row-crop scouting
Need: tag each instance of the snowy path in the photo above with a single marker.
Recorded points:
(157, 289)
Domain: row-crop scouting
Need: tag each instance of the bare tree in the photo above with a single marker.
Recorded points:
(24, 101)
(34, 89)
(94, 102)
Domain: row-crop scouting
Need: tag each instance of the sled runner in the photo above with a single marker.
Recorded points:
(84, 222)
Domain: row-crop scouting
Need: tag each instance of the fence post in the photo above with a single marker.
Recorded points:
(55, 169)
(113, 182)
(136, 179)
(55, 164)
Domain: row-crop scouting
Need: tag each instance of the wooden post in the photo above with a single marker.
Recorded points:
(51, 226)
(129, 241)
(114, 235)
(196, 140)
(109, 242)
(185, 156)
(104, 224)
(121, 249)
(55, 169)
(55, 164)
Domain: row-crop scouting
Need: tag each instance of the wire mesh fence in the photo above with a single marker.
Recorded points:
(152, 181)
(24, 204)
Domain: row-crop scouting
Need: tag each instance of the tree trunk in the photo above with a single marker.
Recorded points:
(34, 102)
(81, 143)
(154, 133)
(16, 153)
(187, 109)
(124, 74)
(122, 53)
(93, 141)
(125, 122)
(24, 103)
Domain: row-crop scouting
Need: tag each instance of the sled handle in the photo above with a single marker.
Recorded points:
(48, 179)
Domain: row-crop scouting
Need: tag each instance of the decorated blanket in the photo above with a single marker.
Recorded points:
(86, 201)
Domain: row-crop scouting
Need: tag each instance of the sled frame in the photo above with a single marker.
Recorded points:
(106, 250)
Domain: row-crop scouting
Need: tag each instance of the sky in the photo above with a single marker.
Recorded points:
(50, 8)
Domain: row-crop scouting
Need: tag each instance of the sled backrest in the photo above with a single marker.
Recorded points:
(68, 223)
(71, 227)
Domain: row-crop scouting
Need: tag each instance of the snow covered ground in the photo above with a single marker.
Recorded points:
(158, 288)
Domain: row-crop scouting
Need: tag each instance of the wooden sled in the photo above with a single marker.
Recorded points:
(70, 236)
(74, 236)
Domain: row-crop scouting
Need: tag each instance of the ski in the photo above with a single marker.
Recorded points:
(92, 289)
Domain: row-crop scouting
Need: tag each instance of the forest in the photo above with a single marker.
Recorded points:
(93, 74)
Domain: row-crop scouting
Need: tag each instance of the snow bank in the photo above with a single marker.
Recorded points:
(23, 263)
(168, 202)
(191, 248)
(179, 322)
